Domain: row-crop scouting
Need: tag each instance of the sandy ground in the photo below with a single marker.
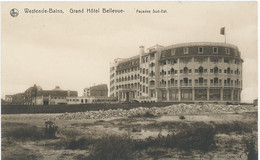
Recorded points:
(100, 127)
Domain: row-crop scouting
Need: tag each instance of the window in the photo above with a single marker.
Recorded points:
(226, 60)
(185, 70)
(164, 62)
(143, 59)
(215, 60)
(200, 59)
(201, 69)
(172, 71)
(200, 50)
(227, 50)
(215, 50)
(186, 50)
(215, 69)
(151, 55)
(174, 61)
(172, 52)
(163, 54)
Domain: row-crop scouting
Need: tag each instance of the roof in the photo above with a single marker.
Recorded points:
(200, 44)
(98, 87)
(38, 88)
(57, 93)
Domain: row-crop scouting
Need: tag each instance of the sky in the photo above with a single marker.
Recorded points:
(73, 50)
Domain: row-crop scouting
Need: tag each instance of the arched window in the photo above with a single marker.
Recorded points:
(215, 69)
(152, 73)
(185, 80)
(172, 81)
(185, 70)
(228, 70)
(152, 83)
(163, 82)
(172, 71)
(201, 79)
(200, 69)
(216, 80)
(162, 73)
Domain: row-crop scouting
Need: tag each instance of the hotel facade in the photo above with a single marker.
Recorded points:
(190, 72)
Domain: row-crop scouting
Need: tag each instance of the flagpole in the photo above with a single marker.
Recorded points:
(225, 36)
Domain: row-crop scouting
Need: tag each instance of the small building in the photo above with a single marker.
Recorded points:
(8, 98)
(96, 91)
(88, 100)
(53, 97)
(93, 94)
(35, 95)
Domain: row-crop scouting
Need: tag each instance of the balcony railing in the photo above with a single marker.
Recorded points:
(152, 85)
(200, 84)
(162, 85)
(215, 84)
(172, 85)
(228, 84)
(185, 84)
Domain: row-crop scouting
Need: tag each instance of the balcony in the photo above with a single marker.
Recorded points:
(215, 84)
(201, 84)
(162, 85)
(185, 84)
(172, 85)
(238, 86)
(152, 86)
(228, 85)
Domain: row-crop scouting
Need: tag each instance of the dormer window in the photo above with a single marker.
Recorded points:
(227, 50)
(163, 54)
(215, 50)
(172, 52)
(200, 50)
(186, 50)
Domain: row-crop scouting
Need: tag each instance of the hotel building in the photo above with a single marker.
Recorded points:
(190, 72)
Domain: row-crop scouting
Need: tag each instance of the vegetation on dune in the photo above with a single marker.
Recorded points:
(184, 136)
(113, 147)
(250, 147)
(24, 132)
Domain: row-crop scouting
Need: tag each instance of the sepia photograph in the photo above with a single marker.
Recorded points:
(172, 80)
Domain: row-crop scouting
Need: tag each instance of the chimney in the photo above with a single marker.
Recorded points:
(141, 50)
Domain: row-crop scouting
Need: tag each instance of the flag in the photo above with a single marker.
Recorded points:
(222, 31)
